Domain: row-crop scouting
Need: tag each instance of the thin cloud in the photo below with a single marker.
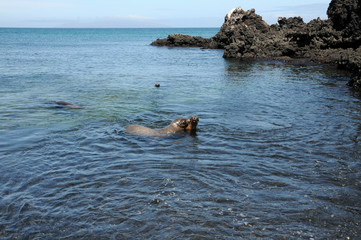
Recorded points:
(31, 4)
(132, 21)
(306, 11)
(314, 7)
(131, 17)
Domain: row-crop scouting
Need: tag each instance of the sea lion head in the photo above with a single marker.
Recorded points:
(180, 123)
(192, 124)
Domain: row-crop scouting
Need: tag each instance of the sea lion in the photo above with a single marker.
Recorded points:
(177, 126)
(70, 105)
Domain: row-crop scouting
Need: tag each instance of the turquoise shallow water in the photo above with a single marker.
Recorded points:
(276, 155)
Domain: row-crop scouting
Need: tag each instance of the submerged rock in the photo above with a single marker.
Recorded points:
(244, 34)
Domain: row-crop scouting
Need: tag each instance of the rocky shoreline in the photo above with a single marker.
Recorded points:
(244, 34)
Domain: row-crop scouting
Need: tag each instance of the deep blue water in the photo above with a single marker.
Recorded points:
(277, 153)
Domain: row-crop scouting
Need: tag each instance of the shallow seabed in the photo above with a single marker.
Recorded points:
(276, 155)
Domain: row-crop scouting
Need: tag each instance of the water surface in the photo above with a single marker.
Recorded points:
(276, 155)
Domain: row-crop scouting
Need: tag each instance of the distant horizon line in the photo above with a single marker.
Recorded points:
(104, 27)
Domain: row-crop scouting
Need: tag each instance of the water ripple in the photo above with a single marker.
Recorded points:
(276, 154)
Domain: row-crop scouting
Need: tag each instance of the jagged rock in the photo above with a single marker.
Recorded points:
(345, 15)
(244, 34)
(290, 23)
(181, 40)
(243, 28)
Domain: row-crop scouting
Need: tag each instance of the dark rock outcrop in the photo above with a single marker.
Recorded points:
(345, 16)
(245, 35)
(181, 40)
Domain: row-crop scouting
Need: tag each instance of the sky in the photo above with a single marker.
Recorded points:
(147, 13)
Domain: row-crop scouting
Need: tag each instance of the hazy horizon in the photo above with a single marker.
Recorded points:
(143, 14)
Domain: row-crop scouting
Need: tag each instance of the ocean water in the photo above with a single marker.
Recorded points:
(277, 154)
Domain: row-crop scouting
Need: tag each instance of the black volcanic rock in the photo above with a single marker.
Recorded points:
(345, 16)
(181, 40)
(245, 35)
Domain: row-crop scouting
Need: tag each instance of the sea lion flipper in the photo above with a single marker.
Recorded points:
(192, 124)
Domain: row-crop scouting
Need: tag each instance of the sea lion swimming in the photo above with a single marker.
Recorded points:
(177, 126)
(70, 105)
